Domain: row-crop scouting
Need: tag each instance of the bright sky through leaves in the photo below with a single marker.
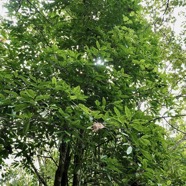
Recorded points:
(2, 9)
(92, 63)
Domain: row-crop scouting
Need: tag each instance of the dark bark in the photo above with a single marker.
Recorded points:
(64, 181)
(59, 181)
(78, 157)
(76, 168)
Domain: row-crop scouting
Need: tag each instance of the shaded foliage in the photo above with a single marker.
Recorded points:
(69, 64)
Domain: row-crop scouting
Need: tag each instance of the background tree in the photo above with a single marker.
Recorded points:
(68, 65)
(16, 176)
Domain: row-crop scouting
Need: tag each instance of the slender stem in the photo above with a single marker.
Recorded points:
(38, 175)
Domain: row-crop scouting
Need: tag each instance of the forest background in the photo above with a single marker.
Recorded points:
(92, 93)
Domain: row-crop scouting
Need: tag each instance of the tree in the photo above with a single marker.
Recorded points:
(16, 176)
(69, 65)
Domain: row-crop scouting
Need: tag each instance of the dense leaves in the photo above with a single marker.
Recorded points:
(67, 65)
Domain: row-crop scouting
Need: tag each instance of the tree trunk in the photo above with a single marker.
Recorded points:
(78, 157)
(61, 178)
(76, 168)
(64, 181)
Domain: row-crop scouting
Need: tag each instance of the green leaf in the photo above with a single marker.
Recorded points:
(145, 142)
(169, 182)
(10, 92)
(144, 163)
(23, 94)
(77, 124)
(117, 112)
(77, 94)
(128, 113)
(84, 108)
(54, 81)
(137, 126)
(21, 106)
(104, 102)
(26, 115)
(2, 96)
(97, 103)
(146, 154)
(30, 93)
(73, 97)
(125, 18)
(42, 97)
(97, 44)
(63, 113)
(96, 114)
(76, 90)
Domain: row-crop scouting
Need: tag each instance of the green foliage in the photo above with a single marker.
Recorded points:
(70, 64)
(16, 176)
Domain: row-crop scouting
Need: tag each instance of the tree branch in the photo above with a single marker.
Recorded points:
(48, 157)
(165, 117)
(174, 127)
(180, 141)
(36, 9)
(20, 1)
(38, 175)
(166, 8)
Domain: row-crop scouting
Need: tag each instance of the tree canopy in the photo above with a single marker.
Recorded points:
(85, 89)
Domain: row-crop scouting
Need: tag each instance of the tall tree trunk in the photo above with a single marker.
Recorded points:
(78, 157)
(76, 181)
(62, 170)
(64, 181)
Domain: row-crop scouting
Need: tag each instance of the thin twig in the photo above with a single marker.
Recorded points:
(180, 141)
(38, 175)
(19, 2)
(38, 11)
(166, 8)
(48, 157)
(174, 127)
(164, 117)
